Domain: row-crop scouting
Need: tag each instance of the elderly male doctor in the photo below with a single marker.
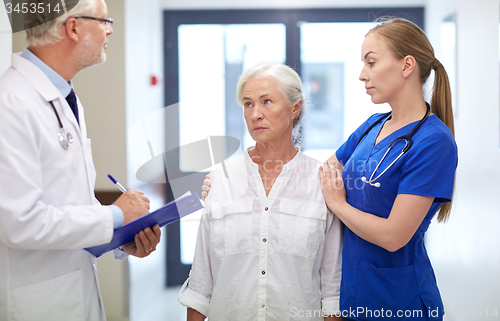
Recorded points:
(48, 211)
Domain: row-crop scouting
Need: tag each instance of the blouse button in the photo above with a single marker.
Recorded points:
(266, 209)
(264, 240)
(263, 272)
(262, 305)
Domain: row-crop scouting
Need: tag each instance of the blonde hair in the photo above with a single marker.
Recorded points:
(289, 84)
(406, 38)
(50, 32)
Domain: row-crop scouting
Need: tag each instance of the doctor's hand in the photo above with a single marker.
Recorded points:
(144, 242)
(206, 186)
(332, 186)
(133, 204)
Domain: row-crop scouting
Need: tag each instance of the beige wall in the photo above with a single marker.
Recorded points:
(102, 92)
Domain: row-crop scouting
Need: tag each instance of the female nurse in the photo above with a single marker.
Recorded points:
(390, 178)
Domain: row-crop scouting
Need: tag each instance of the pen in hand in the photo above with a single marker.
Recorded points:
(120, 186)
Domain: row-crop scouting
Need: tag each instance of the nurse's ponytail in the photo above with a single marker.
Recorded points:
(405, 38)
(441, 96)
(441, 106)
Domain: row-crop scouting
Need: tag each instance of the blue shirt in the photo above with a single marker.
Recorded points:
(372, 277)
(65, 87)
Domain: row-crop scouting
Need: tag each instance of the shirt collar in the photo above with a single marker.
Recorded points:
(288, 166)
(62, 85)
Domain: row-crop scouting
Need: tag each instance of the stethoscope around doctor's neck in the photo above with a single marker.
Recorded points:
(64, 138)
(407, 138)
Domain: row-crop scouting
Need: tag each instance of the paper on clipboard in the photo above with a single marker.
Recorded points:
(173, 211)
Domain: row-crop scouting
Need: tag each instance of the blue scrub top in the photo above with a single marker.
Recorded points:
(376, 282)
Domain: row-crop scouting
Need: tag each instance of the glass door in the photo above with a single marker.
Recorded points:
(330, 56)
(207, 50)
(211, 59)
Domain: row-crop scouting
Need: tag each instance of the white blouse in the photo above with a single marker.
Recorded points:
(259, 257)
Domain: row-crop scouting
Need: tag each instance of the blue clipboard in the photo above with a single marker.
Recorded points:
(169, 213)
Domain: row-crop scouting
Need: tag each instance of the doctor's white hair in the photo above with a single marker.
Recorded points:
(289, 84)
(51, 32)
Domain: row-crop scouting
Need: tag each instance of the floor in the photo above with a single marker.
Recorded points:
(150, 300)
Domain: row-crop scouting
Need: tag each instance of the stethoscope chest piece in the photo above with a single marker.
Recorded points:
(64, 139)
(364, 180)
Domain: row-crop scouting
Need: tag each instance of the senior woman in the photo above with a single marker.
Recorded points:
(268, 248)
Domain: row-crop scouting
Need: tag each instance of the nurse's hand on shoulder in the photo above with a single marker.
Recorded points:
(332, 186)
(133, 204)
(144, 243)
(206, 186)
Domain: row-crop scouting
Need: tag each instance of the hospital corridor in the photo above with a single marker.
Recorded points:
(162, 112)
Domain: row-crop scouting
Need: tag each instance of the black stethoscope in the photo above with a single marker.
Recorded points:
(407, 138)
(64, 138)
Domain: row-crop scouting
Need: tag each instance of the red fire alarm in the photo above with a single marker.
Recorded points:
(154, 80)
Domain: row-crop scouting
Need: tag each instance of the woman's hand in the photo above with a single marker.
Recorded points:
(332, 186)
(206, 186)
(391, 233)
(144, 242)
(133, 204)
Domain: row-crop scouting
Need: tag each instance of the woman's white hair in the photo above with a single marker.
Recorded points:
(289, 84)
(50, 32)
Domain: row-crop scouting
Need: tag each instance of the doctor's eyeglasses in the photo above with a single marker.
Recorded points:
(108, 21)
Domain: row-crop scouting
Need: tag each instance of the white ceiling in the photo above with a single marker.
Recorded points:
(264, 4)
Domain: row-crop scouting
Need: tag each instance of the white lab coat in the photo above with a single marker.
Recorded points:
(48, 211)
